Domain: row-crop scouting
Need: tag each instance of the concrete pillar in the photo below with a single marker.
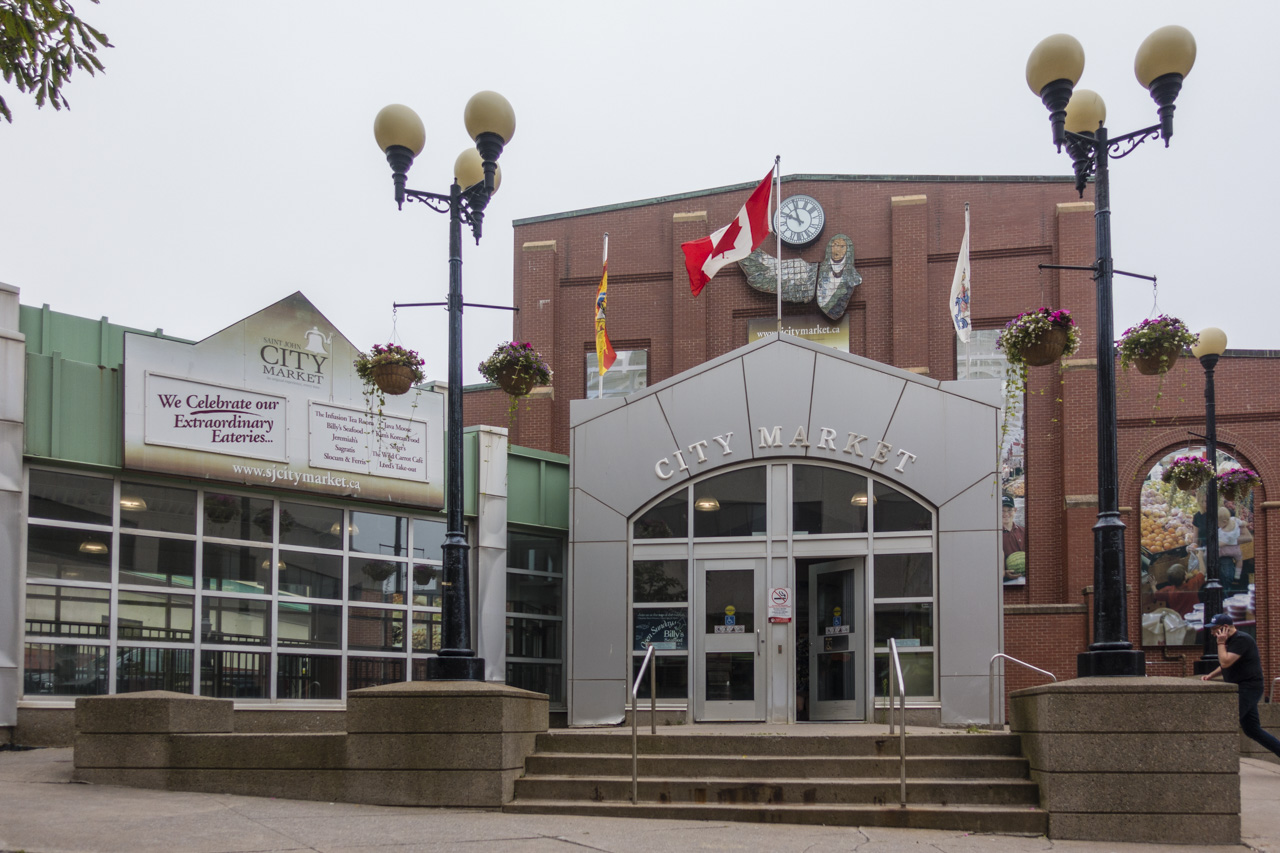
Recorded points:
(910, 283)
(12, 509)
(490, 552)
(1152, 760)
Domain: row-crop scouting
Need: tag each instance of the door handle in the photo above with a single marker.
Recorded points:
(759, 642)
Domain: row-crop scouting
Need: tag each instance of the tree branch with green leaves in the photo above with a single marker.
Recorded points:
(41, 43)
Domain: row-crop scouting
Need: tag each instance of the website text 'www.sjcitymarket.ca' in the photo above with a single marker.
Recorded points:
(284, 475)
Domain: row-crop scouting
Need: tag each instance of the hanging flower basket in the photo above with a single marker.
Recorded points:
(1188, 472)
(1235, 484)
(379, 570)
(517, 369)
(391, 368)
(1154, 345)
(1039, 337)
(393, 379)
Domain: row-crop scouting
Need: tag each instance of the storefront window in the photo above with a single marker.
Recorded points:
(629, 373)
(828, 500)
(669, 519)
(270, 586)
(159, 508)
(730, 504)
(1175, 528)
(535, 612)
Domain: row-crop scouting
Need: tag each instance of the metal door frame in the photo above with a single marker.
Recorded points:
(703, 643)
(832, 710)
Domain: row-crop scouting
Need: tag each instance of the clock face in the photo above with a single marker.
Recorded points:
(799, 220)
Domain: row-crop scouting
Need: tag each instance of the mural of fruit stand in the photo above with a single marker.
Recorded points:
(1173, 533)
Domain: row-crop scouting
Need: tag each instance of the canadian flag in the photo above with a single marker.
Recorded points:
(704, 258)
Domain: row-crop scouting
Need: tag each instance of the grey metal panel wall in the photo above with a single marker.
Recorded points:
(12, 511)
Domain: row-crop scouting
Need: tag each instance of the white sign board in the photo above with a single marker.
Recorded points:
(213, 418)
(364, 443)
(780, 604)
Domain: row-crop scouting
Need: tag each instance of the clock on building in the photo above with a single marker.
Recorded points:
(799, 220)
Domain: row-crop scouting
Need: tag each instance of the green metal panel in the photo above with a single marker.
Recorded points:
(537, 488)
(77, 338)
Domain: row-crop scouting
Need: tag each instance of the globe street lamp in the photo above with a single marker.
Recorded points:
(1077, 118)
(400, 133)
(1211, 344)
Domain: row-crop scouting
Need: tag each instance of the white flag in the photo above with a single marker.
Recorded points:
(960, 285)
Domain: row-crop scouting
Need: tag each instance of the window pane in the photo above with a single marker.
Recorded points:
(310, 575)
(907, 624)
(235, 620)
(65, 670)
(533, 638)
(237, 568)
(534, 552)
(545, 678)
(308, 677)
(427, 631)
(157, 562)
(310, 526)
(660, 580)
(65, 611)
(69, 497)
(426, 585)
(629, 373)
(375, 580)
(155, 616)
(238, 517)
(317, 625)
(669, 519)
(428, 536)
(375, 630)
(160, 508)
(731, 676)
(731, 504)
(153, 669)
(387, 535)
(540, 595)
(895, 511)
(917, 673)
(80, 555)
(663, 627)
(672, 674)
(235, 675)
(828, 500)
(370, 672)
(730, 602)
(903, 575)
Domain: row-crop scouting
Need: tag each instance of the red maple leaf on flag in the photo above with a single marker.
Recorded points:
(728, 240)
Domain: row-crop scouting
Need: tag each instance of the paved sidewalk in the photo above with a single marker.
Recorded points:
(42, 811)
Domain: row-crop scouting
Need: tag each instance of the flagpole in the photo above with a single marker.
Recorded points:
(968, 364)
(599, 372)
(777, 202)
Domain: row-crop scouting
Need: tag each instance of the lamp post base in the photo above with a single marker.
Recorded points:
(455, 669)
(1111, 663)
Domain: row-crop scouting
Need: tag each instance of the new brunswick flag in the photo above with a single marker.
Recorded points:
(605, 356)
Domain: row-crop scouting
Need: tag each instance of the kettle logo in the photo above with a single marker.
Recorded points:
(318, 342)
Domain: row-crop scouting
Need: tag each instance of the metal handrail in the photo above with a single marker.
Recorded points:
(635, 712)
(899, 694)
(991, 685)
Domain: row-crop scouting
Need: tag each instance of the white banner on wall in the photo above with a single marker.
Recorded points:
(274, 400)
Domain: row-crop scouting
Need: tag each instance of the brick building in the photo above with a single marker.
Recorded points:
(905, 234)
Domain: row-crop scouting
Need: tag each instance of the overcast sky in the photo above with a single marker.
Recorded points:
(226, 157)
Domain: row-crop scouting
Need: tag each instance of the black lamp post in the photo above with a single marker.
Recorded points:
(1163, 60)
(491, 123)
(1211, 345)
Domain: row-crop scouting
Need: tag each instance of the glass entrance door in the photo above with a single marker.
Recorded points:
(728, 633)
(837, 641)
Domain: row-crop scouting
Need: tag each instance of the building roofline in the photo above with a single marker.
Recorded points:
(787, 179)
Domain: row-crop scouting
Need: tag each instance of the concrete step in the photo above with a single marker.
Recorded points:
(1004, 820)
(773, 791)
(618, 742)
(699, 766)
